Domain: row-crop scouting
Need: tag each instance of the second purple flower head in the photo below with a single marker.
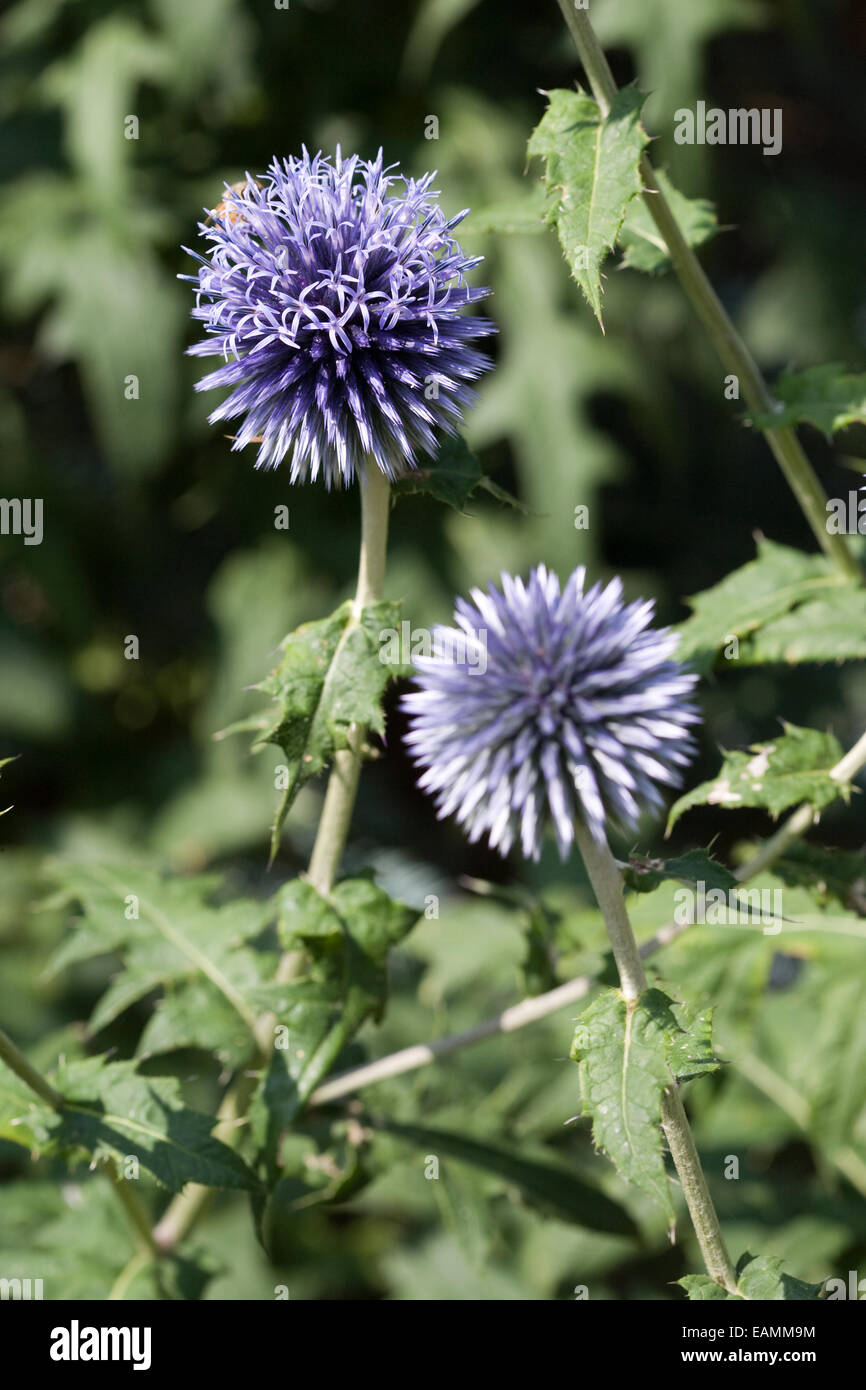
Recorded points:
(576, 710)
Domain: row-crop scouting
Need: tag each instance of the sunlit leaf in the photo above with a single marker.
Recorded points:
(793, 768)
(591, 174)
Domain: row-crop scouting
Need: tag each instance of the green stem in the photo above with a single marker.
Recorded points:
(184, 1210)
(140, 1260)
(606, 881)
(135, 1210)
(735, 355)
(343, 781)
(17, 1062)
(698, 1200)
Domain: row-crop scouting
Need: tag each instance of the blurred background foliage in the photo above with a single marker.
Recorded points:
(154, 529)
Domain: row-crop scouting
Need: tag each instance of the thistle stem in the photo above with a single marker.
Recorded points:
(343, 781)
(184, 1210)
(140, 1260)
(734, 353)
(698, 1200)
(606, 881)
(136, 1212)
(17, 1062)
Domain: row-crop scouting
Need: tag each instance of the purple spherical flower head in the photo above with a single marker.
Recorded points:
(335, 300)
(547, 704)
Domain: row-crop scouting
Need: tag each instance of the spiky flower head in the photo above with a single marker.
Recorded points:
(334, 293)
(576, 709)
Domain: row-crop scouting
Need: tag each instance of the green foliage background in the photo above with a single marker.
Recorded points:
(153, 528)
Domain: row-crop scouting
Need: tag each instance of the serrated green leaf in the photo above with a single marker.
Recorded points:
(111, 1111)
(331, 676)
(762, 1278)
(627, 1055)
(697, 866)
(826, 396)
(774, 776)
(703, 874)
(545, 1182)
(691, 1053)
(174, 939)
(537, 969)
(621, 1051)
(765, 589)
(701, 1289)
(832, 628)
(591, 176)
(195, 1014)
(644, 248)
(344, 940)
(357, 914)
(452, 475)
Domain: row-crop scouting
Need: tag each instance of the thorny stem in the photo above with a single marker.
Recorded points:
(17, 1062)
(140, 1260)
(134, 1208)
(185, 1209)
(606, 879)
(343, 781)
(734, 353)
(698, 1200)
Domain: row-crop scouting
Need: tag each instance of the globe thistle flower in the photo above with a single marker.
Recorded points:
(577, 710)
(335, 300)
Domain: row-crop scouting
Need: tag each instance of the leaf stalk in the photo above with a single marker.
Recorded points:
(606, 880)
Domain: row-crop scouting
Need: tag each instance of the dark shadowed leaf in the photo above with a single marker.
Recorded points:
(543, 1181)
